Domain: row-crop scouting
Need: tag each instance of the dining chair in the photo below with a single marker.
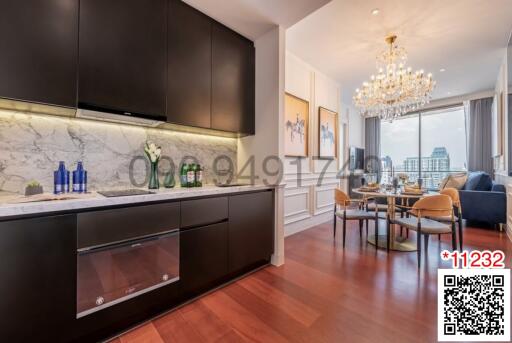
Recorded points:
(373, 204)
(454, 194)
(343, 210)
(422, 211)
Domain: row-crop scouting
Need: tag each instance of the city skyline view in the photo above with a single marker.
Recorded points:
(446, 128)
(442, 135)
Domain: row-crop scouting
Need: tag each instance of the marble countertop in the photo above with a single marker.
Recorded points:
(10, 209)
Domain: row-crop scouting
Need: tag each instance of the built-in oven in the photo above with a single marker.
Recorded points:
(124, 253)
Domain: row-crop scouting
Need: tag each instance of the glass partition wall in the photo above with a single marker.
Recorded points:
(428, 145)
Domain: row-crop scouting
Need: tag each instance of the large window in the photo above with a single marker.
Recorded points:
(430, 145)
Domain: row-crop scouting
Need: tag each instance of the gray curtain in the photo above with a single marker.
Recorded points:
(372, 144)
(479, 136)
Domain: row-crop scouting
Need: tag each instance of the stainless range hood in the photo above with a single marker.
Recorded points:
(84, 113)
(108, 116)
(125, 118)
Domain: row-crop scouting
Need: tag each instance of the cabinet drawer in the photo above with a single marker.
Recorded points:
(109, 226)
(204, 257)
(203, 211)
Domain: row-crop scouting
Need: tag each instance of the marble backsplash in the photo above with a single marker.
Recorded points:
(31, 147)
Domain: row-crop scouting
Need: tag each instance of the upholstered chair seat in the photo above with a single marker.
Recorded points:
(427, 225)
(353, 214)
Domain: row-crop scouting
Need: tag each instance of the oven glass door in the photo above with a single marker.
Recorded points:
(111, 274)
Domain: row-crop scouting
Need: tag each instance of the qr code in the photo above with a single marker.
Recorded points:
(473, 305)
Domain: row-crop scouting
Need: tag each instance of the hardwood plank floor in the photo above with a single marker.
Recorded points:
(323, 293)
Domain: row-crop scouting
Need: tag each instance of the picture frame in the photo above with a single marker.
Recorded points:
(327, 133)
(296, 126)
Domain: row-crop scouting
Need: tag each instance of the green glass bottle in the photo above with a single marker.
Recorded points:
(183, 175)
(199, 175)
(191, 175)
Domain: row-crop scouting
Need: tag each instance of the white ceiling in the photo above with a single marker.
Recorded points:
(252, 18)
(466, 37)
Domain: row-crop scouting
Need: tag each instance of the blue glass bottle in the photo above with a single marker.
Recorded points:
(76, 179)
(59, 179)
(80, 179)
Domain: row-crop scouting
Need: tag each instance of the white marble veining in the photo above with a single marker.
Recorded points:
(32, 145)
(19, 209)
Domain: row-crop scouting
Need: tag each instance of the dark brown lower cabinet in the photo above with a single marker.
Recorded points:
(38, 279)
(38, 263)
(251, 230)
(204, 257)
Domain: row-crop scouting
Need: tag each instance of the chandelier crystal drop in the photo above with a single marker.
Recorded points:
(396, 89)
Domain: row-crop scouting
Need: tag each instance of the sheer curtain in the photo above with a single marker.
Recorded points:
(480, 135)
(372, 145)
(465, 104)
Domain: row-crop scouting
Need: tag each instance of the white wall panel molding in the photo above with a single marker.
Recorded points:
(297, 204)
(302, 225)
(324, 199)
(310, 176)
(312, 183)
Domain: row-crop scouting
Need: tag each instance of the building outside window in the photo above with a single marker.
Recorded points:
(430, 145)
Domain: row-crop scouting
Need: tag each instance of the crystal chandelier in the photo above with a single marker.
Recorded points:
(395, 90)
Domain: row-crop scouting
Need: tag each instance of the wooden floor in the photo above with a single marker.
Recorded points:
(322, 294)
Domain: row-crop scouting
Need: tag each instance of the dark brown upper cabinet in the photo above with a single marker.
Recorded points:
(123, 56)
(38, 51)
(232, 81)
(189, 54)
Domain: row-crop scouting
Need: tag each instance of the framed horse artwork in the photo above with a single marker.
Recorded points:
(327, 133)
(296, 120)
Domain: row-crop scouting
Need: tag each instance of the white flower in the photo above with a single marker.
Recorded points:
(152, 151)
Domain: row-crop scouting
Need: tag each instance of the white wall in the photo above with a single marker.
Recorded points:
(355, 126)
(503, 165)
(501, 90)
(268, 141)
(306, 201)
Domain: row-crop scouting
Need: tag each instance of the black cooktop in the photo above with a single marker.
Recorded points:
(124, 192)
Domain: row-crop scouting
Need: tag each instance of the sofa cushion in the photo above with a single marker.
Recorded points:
(456, 180)
(496, 187)
(478, 181)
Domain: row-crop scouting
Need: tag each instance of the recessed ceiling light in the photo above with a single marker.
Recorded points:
(442, 70)
(448, 93)
(375, 11)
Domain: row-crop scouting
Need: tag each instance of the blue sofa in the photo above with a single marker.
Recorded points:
(483, 200)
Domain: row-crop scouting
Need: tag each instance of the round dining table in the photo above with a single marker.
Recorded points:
(397, 243)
